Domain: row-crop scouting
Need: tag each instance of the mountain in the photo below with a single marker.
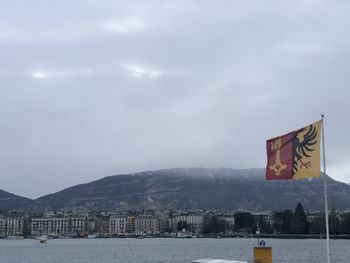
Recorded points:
(10, 201)
(197, 188)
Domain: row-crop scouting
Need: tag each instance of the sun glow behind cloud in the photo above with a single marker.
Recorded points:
(39, 75)
(44, 74)
(137, 71)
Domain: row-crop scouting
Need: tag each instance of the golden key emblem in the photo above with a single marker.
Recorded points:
(277, 167)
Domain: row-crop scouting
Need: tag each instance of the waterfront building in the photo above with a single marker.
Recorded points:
(244, 222)
(11, 226)
(59, 226)
(101, 224)
(131, 224)
(118, 225)
(230, 220)
(164, 222)
(311, 216)
(56, 226)
(146, 224)
(263, 220)
(78, 226)
(194, 221)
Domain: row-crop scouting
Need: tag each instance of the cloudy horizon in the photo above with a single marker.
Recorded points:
(90, 89)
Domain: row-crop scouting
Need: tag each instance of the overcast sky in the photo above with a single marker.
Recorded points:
(95, 88)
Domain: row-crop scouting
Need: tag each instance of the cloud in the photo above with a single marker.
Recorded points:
(123, 27)
(39, 75)
(44, 74)
(137, 71)
(303, 47)
(340, 171)
(165, 83)
(70, 30)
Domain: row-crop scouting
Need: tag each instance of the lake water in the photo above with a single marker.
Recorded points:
(171, 250)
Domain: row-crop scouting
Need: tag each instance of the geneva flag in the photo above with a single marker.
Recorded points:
(295, 155)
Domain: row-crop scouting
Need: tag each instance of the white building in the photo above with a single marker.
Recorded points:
(11, 226)
(79, 225)
(193, 220)
(58, 226)
(118, 225)
(50, 226)
(146, 224)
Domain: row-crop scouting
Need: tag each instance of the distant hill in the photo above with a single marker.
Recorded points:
(10, 201)
(197, 188)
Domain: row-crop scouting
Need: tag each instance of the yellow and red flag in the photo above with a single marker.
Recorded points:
(295, 155)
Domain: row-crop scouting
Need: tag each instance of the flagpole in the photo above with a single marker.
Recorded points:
(325, 191)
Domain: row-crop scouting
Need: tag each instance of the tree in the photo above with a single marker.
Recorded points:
(215, 225)
(334, 223)
(181, 225)
(283, 222)
(318, 225)
(345, 223)
(300, 223)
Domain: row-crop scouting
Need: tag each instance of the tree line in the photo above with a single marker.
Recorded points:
(281, 222)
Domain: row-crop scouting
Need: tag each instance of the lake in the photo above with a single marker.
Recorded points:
(172, 250)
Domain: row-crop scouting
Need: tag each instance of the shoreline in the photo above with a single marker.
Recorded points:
(248, 236)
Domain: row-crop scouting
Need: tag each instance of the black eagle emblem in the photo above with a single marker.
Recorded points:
(303, 146)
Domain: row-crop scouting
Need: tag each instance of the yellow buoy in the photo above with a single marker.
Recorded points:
(262, 255)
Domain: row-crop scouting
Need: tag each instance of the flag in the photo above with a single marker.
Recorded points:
(295, 155)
